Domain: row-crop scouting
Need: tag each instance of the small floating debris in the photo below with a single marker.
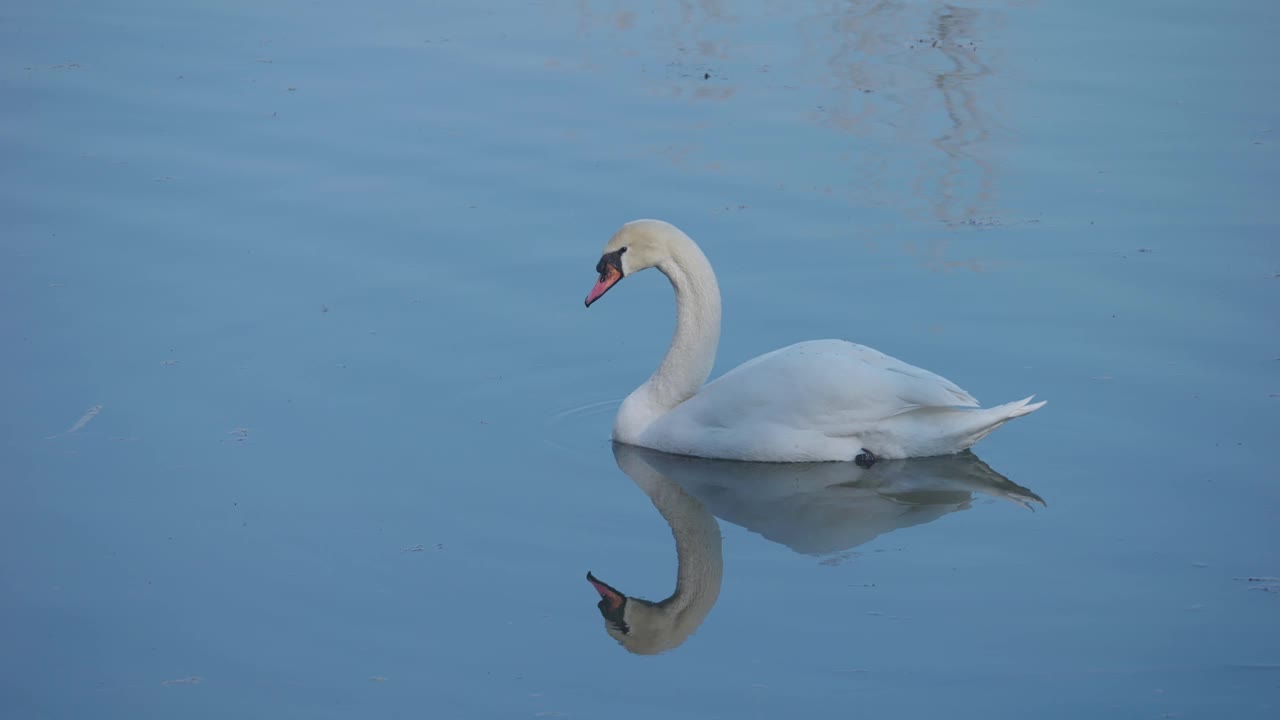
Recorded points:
(1265, 584)
(192, 680)
(419, 548)
(241, 434)
(377, 678)
(88, 415)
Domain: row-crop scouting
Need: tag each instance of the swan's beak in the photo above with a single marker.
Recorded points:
(609, 276)
(611, 602)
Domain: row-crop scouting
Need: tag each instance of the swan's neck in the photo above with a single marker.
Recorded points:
(688, 361)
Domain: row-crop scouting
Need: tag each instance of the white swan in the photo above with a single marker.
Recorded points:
(821, 400)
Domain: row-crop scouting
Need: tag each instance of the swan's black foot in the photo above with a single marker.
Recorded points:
(865, 459)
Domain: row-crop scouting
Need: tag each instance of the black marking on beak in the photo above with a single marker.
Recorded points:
(612, 605)
(610, 269)
(615, 259)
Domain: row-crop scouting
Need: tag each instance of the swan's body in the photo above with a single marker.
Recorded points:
(822, 400)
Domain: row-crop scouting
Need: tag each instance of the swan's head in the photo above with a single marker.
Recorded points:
(638, 245)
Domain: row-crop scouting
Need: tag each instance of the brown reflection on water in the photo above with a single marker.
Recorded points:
(905, 89)
(689, 39)
(968, 131)
(905, 77)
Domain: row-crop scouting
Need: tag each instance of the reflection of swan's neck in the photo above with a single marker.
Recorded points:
(688, 361)
(655, 627)
(699, 558)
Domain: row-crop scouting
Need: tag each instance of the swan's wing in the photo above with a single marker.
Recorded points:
(832, 379)
(818, 400)
(930, 388)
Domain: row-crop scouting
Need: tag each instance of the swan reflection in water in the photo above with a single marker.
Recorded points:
(812, 508)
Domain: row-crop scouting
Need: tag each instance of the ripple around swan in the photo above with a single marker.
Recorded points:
(579, 429)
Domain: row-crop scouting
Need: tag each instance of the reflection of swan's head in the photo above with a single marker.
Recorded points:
(648, 628)
(640, 626)
(638, 245)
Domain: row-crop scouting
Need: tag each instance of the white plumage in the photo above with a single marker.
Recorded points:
(813, 401)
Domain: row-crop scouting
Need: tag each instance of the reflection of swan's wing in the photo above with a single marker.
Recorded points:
(819, 523)
(817, 508)
(645, 627)
(965, 472)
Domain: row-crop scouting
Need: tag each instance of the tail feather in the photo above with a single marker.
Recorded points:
(1001, 414)
(1024, 406)
(926, 431)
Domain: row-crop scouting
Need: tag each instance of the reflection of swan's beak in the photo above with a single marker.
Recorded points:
(609, 276)
(612, 603)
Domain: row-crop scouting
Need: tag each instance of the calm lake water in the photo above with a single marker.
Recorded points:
(303, 416)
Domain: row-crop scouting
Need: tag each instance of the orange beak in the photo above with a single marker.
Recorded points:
(611, 601)
(608, 279)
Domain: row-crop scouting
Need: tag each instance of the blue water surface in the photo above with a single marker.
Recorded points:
(302, 415)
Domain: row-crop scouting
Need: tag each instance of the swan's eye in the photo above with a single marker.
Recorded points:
(608, 260)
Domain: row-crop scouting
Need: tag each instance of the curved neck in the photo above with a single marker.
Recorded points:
(688, 361)
(699, 560)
